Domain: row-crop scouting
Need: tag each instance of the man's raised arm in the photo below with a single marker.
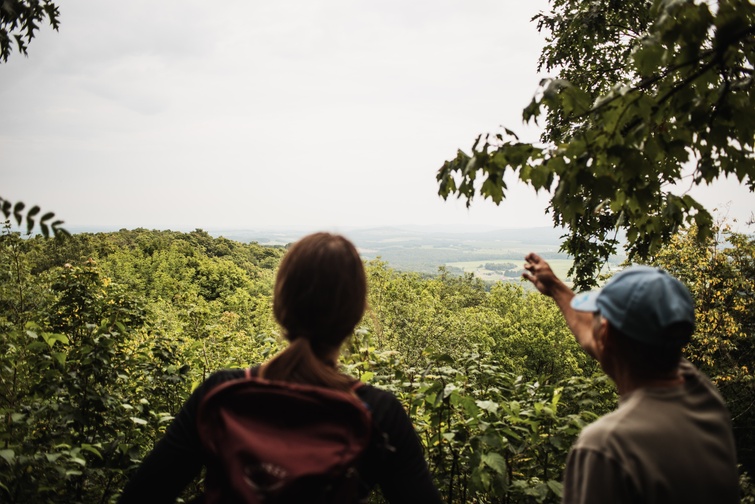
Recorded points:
(539, 272)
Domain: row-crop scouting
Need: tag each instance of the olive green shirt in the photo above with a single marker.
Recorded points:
(662, 445)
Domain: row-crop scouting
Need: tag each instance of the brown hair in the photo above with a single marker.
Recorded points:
(320, 296)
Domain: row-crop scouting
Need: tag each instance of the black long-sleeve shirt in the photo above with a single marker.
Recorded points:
(178, 457)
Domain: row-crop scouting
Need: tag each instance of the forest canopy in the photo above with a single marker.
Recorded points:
(103, 337)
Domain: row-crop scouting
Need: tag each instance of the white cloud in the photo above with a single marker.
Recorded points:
(325, 112)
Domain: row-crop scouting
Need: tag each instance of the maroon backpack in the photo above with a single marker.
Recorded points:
(278, 442)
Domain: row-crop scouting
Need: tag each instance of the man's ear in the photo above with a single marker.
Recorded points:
(601, 336)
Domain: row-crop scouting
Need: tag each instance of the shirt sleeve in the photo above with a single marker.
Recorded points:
(594, 478)
(177, 458)
(402, 471)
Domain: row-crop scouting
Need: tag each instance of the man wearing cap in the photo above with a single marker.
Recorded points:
(670, 440)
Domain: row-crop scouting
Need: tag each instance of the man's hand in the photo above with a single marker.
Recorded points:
(540, 274)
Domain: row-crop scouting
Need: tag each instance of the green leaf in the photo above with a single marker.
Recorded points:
(33, 212)
(444, 358)
(492, 188)
(17, 209)
(52, 338)
(557, 392)
(449, 389)
(8, 455)
(485, 480)
(52, 457)
(60, 357)
(648, 57)
(470, 407)
(91, 449)
(367, 376)
(490, 406)
(515, 408)
(165, 418)
(556, 487)
(495, 461)
(138, 421)
(37, 345)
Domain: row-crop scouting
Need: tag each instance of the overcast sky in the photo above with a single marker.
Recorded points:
(322, 114)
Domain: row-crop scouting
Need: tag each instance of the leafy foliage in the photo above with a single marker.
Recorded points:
(643, 90)
(103, 337)
(721, 277)
(423, 317)
(490, 435)
(20, 19)
(46, 227)
(90, 371)
(62, 377)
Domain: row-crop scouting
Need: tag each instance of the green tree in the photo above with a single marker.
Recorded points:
(721, 277)
(531, 337)
(102, 337)
(643, 89)
(65, 357)
(419, 317)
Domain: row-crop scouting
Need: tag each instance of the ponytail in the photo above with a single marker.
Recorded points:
(298, 363)
(320, 296)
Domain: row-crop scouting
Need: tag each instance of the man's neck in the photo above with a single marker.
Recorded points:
(627, 382)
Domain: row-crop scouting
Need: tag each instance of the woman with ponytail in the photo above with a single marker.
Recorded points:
(320, 296)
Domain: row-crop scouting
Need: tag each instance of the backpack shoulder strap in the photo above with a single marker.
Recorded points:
(357, 385)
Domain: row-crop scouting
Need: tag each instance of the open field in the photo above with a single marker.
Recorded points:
(559, 266)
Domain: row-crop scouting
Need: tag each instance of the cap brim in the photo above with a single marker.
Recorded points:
(586, 302)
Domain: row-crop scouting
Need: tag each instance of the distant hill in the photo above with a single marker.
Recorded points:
(421, 249)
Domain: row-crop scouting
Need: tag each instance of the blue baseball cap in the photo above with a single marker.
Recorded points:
(643, 303)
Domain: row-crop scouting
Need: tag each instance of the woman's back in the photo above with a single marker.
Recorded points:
(320, 296)
(399, 468)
